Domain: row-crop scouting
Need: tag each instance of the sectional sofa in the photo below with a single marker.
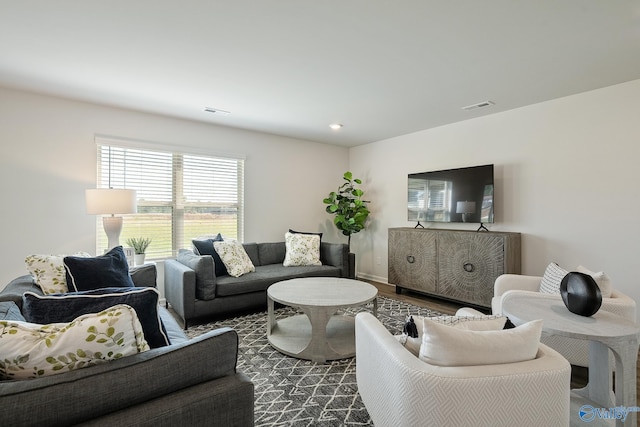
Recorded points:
(188, 382)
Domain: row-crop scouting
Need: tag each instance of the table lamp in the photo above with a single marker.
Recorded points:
(465, 208)
(110, 201)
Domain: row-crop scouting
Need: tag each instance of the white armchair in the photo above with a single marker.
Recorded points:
(399, 389)
(574, 350)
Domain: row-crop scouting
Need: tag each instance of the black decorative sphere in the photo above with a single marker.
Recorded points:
(580, 294)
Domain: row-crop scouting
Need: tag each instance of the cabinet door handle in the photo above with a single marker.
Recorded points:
(468, 267)
(411, 259)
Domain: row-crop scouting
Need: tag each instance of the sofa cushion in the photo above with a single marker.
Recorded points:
(443, 345)
(66, 307)
(234, 257)
(602, 280)
(205, 247)
(253, 253)
(266, 275)
(301, 249)
(203, 265)
(30, 350)
(470, 323)
(271, 253)
(145, 275)
(9, 310)
(553, 275)
(48, 271)
(105, 271)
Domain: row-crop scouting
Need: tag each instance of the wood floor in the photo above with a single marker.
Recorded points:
(579, 375)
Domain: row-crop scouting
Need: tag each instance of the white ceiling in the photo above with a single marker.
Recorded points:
(291, 67)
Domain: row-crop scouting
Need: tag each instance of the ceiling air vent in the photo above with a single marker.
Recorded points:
(217, 111)
(478, 105)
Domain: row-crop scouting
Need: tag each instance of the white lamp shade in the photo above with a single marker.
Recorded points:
(101, 201)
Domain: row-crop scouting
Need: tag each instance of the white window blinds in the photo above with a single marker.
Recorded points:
(180, 195)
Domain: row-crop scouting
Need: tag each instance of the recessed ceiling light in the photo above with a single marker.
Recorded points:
(336, 126)
(478, 105)
(217, 111)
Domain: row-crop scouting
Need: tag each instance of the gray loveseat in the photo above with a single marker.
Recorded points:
(193, 289)
(191, 382)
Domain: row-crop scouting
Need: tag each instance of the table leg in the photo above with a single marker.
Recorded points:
(318, 348)
(271, 318)
(600, 384)
(626, 355)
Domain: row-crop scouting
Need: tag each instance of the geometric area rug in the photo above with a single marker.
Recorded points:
(295, 392)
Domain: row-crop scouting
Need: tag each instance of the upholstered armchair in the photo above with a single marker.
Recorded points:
(399, 389)
(574, 350)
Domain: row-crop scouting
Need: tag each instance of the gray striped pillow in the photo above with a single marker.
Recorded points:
(553, 275)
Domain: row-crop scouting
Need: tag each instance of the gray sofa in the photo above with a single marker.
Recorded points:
(190, 382)
(194, 291)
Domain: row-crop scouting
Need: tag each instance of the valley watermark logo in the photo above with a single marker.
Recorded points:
(589, 413)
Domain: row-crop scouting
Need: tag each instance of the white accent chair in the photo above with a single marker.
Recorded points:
(399, 389)
(574, 350)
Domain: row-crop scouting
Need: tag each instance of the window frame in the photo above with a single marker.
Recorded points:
(178, 204)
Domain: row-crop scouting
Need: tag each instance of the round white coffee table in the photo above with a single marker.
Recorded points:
(318, 334)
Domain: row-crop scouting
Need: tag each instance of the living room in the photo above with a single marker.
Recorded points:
(565, 170)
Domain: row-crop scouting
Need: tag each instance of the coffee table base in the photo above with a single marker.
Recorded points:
(293, 336)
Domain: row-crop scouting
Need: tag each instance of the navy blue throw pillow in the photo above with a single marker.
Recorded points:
(205, 247)
(62, 308)
(110, 270)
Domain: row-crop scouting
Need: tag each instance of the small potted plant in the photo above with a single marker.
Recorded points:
(139, 245)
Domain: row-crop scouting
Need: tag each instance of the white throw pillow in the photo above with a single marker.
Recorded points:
(301, 249)
(28, 350)
(472, 323)
(49, 273)
(602, 280)
(553, 275)
(446, 346)
(234, 257)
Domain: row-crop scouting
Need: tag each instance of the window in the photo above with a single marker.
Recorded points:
(180, 195)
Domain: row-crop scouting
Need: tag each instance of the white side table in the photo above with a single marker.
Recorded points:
(605, 331)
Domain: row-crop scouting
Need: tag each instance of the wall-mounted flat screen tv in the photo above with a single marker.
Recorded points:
(452, 195)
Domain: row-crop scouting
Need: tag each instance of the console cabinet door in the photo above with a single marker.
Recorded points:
(412, 259)
(468, 265)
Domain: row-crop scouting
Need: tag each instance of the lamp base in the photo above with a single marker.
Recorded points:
(112, 227)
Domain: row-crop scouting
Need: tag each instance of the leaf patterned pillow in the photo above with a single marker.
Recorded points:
(49, 273)
(234, 257)
(29, 350)
(301, 249)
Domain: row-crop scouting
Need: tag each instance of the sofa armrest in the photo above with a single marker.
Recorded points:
(17, 287)
(620, 304)
(337, 255)
(511, 282)
(92, 392)
(180, 288)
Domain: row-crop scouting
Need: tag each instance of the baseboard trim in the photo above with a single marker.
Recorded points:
(373, 277)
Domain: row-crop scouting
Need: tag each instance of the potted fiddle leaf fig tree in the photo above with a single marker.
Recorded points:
(348, 206)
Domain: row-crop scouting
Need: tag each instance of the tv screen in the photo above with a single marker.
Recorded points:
(452, 195)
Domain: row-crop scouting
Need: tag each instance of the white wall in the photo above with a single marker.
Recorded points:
(48, 159)
(567, 176)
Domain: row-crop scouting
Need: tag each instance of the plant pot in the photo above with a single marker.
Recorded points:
(138, 259)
